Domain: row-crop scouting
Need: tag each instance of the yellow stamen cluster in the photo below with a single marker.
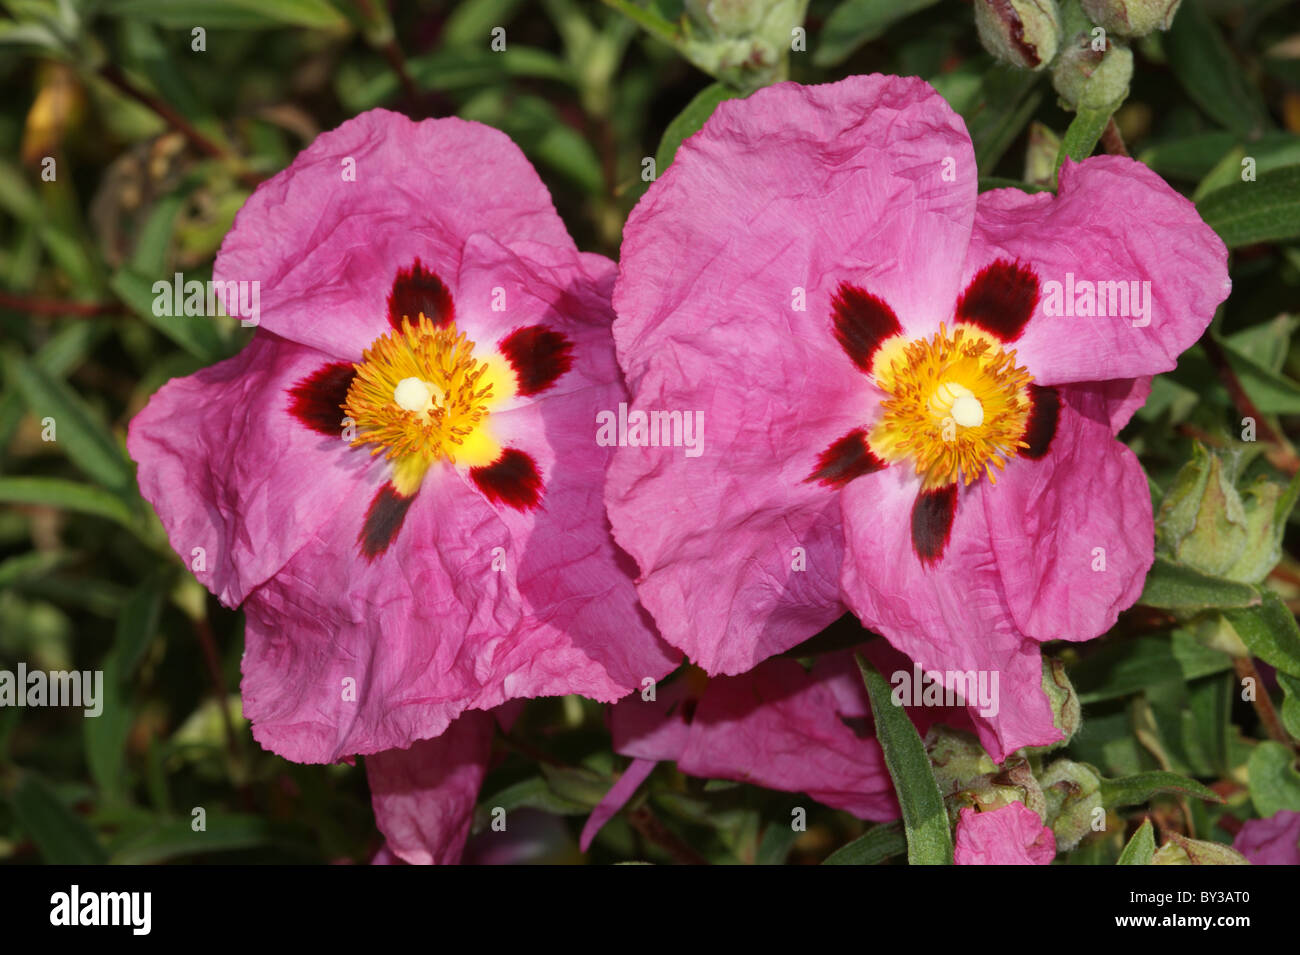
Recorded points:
(957, 406)
(421, 361)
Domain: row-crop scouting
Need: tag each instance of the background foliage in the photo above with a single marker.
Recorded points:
(157, 145)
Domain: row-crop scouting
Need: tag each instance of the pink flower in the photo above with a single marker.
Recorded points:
(900, 412)
(1271, 841)
(777, 726)
(398, 477)
(1011, 835)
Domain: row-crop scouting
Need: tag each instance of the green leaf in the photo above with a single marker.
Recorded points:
(176, 838)
(1266, 210)
(1171, 586)
(1135, 790)
(66, 495)
(1083, 134)
(197, 334)
(532, 793)
(925, 820)
(234, 14)
(1274, 782)
(471, 22)
(106, 734)
(1290, 712)
(875, 846)
(854, 22)
(1270, 632)
(1141, 847)
(1206, 69)
(689, 122)
(80, 434)
(1007, 100)
(63, 837)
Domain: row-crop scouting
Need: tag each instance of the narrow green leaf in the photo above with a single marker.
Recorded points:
(925, 820)
(177, 838)
(1083, 134)
(1266, 210)
(1135, 790)
(1141, 848)
(196, 334)
(872, 847)
(1290, 712)
(689, 122)
(234, 14)
(79, 433)
(1270, 632)
(63, 837)
(1273, 780)
(1171, 586)
(106, 734)
(854, 22)
(1204, 65)
(67, 495)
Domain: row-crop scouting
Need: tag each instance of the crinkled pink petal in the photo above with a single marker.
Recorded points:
(325, 236)
(1072, 533)
(614, 800)
(952, 617)
(207, 448)
(1110, 402)
(729, 266)
(1011, 835)
(424, 796)
(777, 726)
(1112, 220)
(1271, 841)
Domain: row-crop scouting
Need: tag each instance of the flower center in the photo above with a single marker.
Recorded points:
(957, 406)
(420, 396)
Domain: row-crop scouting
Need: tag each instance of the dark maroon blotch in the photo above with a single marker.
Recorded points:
(848, 458)
(1000, 299)
(932, 517)
(862, 321)
(511, 479)
(417, 290)
(1044, 413)
(317, 400)
(383, 520)
(539, 357)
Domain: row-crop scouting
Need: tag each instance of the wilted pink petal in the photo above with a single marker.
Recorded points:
(1271, 841)
(424, 796)
(1011, 835)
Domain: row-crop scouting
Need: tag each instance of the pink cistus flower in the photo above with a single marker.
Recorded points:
(397, 478)
(1010, 835)
(910, 391)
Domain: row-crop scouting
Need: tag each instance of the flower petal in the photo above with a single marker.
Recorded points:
(1113, 220)
(1010, 835)
(950, 616)
(1072, 533)
(327, 237)
(424, 796)
(205, 445)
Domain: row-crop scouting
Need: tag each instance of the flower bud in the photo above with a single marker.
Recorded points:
(1073, 795)
(1179, 850)
(1066, 712)
(1091, 78)
(957, 758)
(1131, 17)
(1207, 523)
(1024, 33)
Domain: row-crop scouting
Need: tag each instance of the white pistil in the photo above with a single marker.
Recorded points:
(412, 394)
(967, 411)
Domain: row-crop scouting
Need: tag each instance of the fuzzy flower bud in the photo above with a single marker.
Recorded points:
(1093, 73)
(1131, 17)
(1024, 33)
